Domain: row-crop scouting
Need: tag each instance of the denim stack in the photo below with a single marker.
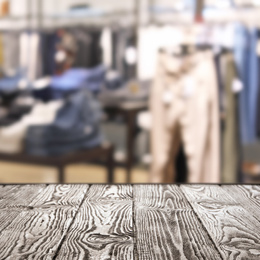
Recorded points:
(10, 84)
(75, 127)
(12, 136)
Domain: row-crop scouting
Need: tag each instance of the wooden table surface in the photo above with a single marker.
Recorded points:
(130, 222)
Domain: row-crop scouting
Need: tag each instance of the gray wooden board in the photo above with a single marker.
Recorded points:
(167, 227)
(118, 222)
(247, 196)
(103, 228)
(14, 199)
(38, 230)
(234, 230)
(13, 196)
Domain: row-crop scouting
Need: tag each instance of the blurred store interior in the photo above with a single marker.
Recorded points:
(167, 90)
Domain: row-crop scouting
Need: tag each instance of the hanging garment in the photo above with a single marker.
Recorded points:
(221, 96)
(106, 45)
(258, 94)
(150, 40)
(89, 51)
(66, 50)
(231, 144)
(253, 84)
(217, 59)
(95, 57)
(1, 51)
(123, 39)
(184, 107)
(84, 41)
(247, 62)
(49, 41)
(11, 52)
(242, 59)
(30, 57)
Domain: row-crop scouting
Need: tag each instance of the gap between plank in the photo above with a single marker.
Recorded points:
(72, 222)
(134, 225)
(211, 239)
(242, 206)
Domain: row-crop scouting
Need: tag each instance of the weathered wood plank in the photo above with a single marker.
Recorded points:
(248, 196)
(13, 199)
(103, 227)
(234, 230)
(12, 196)
(166, 227)
(38, 230)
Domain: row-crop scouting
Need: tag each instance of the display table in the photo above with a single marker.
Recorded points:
(104, 151)
(130, 222)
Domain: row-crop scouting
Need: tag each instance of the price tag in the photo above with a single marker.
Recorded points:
(237, 86)
(189, 88)
(167, 97)
(258, 48)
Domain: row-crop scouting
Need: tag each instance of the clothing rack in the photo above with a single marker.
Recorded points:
(246, 15)
(39, 19)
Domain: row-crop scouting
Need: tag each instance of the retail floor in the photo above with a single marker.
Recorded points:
(81, 173)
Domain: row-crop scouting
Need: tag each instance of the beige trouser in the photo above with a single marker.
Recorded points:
(184, 107)
(230, 133)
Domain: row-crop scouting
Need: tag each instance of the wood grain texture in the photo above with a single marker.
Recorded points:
(12, 196)
(248, 196)
(103, 228)
(14, 199)
(234, 230)
(38, 230)
(129, 222)
(166, 227)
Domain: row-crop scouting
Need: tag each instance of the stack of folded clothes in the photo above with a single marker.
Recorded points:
(9, 87)
(19, 107)
(12, 137)
(76, 126)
